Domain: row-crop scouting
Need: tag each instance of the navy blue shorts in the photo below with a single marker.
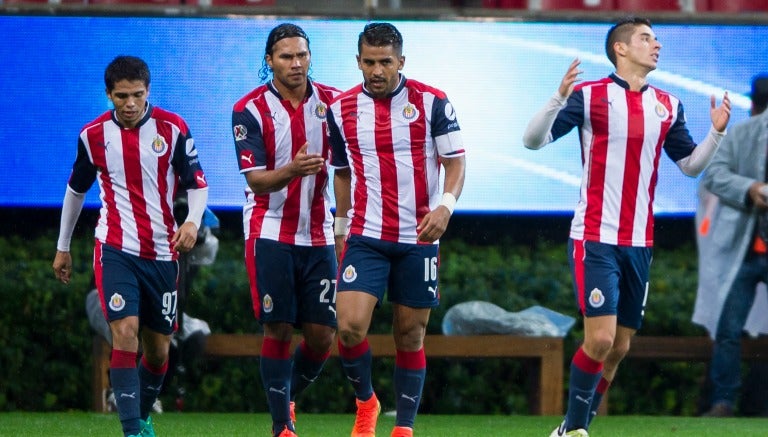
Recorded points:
(610, 280)
(408, 272)
(132, 286)
(292, 284)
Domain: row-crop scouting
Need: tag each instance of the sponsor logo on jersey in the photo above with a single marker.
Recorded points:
(321, 110)
(116, 302)
(159, 145)
(267, 303)
(410, 112)
(596, 298)
(661, 111)
(240, 132)
(350, 274)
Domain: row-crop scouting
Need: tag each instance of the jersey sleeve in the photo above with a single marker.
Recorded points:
(572, 115)
(186, 163)
(445, 128)
(249, 142)
(338, 145)
(678, 144)
(83, 171)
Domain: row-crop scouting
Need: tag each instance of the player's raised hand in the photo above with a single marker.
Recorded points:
(570, 79)
(306, 164)
(720, 114)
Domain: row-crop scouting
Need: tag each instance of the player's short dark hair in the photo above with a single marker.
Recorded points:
(380, 35)
(281, 31)
(759, 93)
(622, 32)
(126, 68)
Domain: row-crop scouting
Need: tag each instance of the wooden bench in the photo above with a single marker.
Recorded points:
(545, 396)
(668, 348)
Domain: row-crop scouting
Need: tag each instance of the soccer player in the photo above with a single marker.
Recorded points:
(282, 148)
(140, 155)
(623, 124)
(390, 137)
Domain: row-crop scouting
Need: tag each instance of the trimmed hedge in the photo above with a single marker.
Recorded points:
(45, 338)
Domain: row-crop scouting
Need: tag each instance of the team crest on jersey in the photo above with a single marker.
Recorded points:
(116, 302)
(159, 145)
(661, 111)
(321, 110)
(241, 132)
(596, 298)
(267, 303)
(410, 112)
(350, 274)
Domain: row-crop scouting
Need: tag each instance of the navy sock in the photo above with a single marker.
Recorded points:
(307, 365)
(151, 381)
(410, 371)
(275, 367)
(125, 385)
(585, 373)
(602, 387)
(356, 362)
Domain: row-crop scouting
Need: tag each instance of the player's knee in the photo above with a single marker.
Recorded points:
(351, 337)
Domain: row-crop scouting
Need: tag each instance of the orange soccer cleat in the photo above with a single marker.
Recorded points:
(367, 414)
(402, 431)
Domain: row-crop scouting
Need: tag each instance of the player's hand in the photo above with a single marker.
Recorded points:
(720, 114)
(62, 266)
(305, 164)
(185, 237)
(570, 79)
(434, 224)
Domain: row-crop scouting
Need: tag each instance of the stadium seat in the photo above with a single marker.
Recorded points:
(662, 5)
(597, 5)
(506, 4)
(739, 6)
(135, 2)
(238, 2)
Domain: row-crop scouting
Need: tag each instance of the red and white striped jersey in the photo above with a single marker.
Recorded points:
(268, 132)
(138, 170)
(622, 133)
(392, 146)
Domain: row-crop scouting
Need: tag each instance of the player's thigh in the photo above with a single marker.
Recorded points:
(413, 278)
(365, 267)
(117, 282)
(275, 284)
(596, 276)
(316, 285)
(158, 281)
(633, 285)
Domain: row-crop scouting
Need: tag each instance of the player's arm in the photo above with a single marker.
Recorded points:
(82, 177)
(186, 163)
(342, 183)
(697, 161)
(342, 190)
(434, 224)
(538, 132)
(268, 181)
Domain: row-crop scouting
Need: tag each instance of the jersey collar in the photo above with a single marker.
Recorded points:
(623, 83)
(144, 118)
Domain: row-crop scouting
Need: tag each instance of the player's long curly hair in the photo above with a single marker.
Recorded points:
(282, 31)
